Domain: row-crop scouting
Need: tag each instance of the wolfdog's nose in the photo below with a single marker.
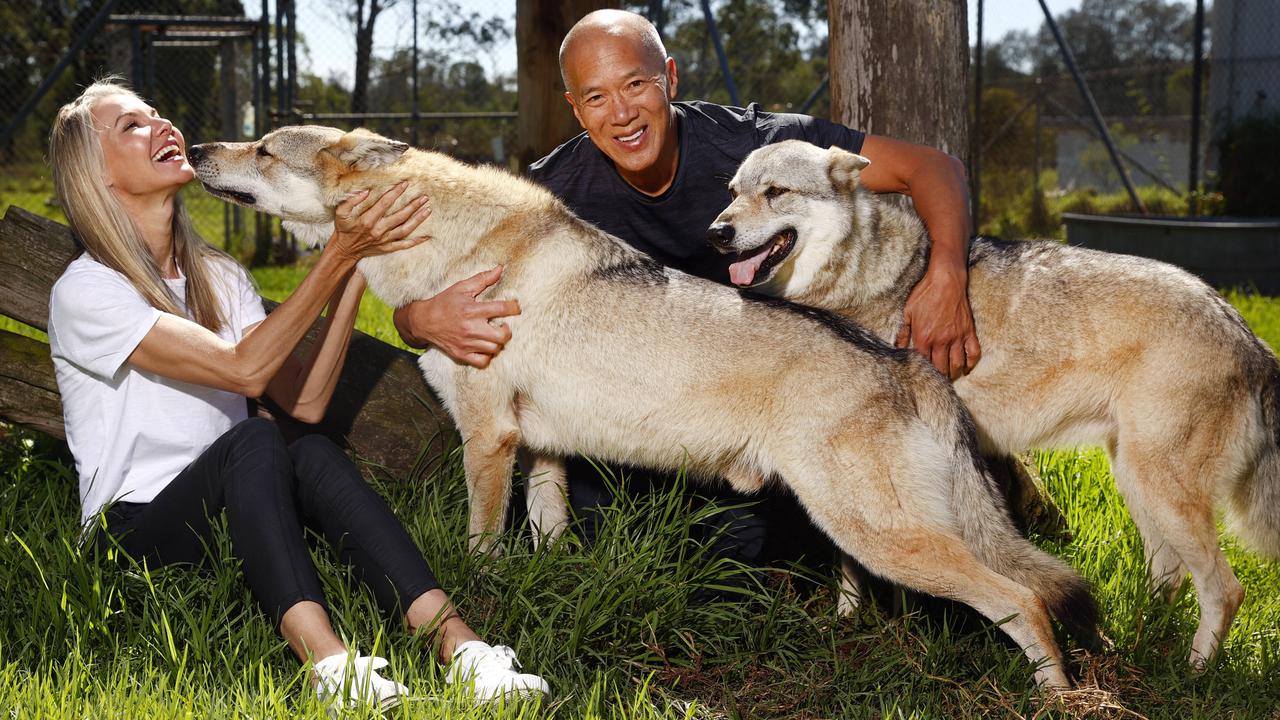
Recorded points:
(196, 153)
(721, 236)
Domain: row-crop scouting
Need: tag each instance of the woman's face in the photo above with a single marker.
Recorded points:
(145, 154)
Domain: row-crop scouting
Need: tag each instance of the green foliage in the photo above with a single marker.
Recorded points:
(1147, 37)
(1008, 131)
(1028, 215)
(777, 52)
(1248, 170)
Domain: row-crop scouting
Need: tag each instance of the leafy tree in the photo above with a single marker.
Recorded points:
(363, 16)
(777, 50)
(445, 25)
(1126, 48)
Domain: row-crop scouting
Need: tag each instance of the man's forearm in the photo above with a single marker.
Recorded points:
(942, 201)
(935, 181)
(402, 318)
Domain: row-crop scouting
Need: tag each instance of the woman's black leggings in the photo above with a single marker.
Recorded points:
(269, 491)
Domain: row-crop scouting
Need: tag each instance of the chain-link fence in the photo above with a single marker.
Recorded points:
(1039, 152)
(213, 75)
(200, 71)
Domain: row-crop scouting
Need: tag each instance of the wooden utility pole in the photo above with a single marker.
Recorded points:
(545, 118)
(899, 68)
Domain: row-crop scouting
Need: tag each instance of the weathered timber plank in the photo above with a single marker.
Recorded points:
(33, 253)
(28, 391)
(382, 409)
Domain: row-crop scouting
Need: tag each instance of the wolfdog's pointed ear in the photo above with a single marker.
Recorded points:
(363, 150)
(844, 167)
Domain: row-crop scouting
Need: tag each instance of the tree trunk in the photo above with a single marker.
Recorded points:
(899, 69)
(545, 120)
(382, 410)
(364, 54)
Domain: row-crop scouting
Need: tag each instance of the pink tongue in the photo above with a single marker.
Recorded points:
(743, 272)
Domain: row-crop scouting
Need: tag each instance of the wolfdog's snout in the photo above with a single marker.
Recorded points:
(197, 153)
(721, 235)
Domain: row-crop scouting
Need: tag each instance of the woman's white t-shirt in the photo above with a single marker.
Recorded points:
(131, 432)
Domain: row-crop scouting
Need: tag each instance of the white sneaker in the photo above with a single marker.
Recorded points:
(491, 672)
(348, 681)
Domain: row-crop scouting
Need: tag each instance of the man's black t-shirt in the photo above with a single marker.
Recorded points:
(672, 227)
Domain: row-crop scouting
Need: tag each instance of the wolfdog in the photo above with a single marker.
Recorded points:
(619, 358)
(1078, 347)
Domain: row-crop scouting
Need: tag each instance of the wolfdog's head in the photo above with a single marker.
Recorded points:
(297, 173)
(793, 204)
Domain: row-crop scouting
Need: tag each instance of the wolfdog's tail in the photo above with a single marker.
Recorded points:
(988, 530)
(1253, 509)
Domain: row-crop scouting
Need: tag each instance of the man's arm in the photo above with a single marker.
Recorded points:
(937, 320)
(458, 324)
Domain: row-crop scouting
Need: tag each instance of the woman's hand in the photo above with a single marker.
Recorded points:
(375, 229)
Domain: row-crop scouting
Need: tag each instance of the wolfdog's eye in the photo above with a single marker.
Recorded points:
(772, 192)
(262, 151)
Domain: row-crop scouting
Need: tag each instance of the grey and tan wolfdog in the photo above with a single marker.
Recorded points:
(1079, 347)
(619, 358)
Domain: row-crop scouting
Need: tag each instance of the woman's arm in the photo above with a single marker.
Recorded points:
(304, 387)
(180, 349)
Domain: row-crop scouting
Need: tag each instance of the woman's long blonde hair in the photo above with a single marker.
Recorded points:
(108, 233)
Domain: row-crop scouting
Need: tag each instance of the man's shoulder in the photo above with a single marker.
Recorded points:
(727, 118)
(712, 121)
(567, 160)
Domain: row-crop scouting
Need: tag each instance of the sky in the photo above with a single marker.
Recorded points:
(331, 47)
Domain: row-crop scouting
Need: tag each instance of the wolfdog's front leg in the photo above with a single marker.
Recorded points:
(490, 438)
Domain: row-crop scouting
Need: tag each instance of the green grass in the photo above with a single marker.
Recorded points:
(610, 624)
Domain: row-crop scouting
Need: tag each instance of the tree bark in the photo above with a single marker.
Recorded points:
(545, 119)
(382, 411)
(899, 68)
(364, 24)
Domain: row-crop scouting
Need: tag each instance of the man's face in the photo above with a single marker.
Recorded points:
(622, 98)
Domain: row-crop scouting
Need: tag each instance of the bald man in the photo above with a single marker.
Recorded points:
(654, 172)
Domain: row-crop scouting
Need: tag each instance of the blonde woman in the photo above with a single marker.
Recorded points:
(157, 339)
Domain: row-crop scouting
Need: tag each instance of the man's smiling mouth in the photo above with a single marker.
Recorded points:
(633, 139)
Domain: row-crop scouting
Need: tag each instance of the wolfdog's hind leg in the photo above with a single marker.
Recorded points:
(940, 564)
(546, 495)
(851, 590)
(1179, 507)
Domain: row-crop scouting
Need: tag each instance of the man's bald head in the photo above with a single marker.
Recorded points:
(615, 26)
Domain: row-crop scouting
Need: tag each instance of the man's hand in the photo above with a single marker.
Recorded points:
(458, 324)
(938, 323)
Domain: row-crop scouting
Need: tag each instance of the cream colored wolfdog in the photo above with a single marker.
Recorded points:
(619, 358)
(1079, 347)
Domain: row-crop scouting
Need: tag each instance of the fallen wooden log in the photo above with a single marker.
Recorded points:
(382, 410)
